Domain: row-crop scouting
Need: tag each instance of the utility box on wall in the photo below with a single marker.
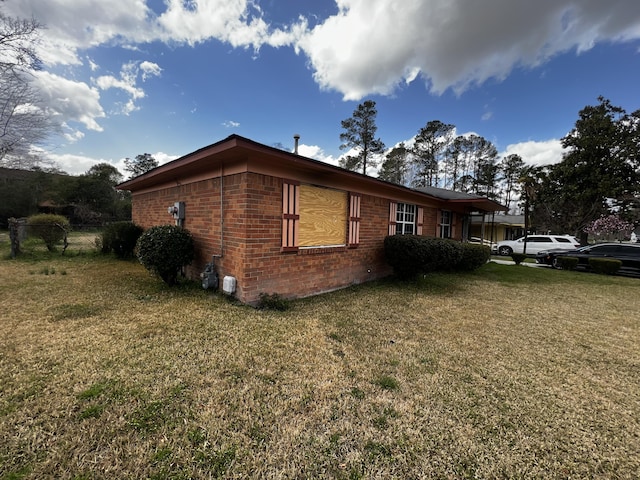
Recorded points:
(177, 210)
(229, 285)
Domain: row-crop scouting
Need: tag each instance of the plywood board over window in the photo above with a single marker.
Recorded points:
(323, 217)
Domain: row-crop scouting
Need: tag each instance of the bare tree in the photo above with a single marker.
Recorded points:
(23, 122)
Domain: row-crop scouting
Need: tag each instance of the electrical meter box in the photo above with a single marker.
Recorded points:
(177, 210)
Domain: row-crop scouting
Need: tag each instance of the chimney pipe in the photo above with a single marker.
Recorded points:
(296, 138)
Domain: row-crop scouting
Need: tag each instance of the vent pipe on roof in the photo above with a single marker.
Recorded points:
(296, 139)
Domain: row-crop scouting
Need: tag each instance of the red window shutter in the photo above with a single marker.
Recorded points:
(419, 221)
(453, 225)
(354, 220)
(393, 210)
(290, 215)
(438, 223)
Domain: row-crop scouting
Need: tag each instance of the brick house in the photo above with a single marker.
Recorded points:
(277, 222)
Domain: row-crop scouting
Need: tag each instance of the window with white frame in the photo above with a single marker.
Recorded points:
(405, 219)
(445, 224)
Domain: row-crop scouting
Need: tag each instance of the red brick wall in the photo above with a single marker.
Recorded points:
(250, 247)
(251, 241)
(308, 271)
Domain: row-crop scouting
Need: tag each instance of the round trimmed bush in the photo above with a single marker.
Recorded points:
(50, 228)
(518, 258)
(164, 250)
(473, 256)
(121, 238)
(567, 263)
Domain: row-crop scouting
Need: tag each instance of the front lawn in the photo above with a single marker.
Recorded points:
(509, 372)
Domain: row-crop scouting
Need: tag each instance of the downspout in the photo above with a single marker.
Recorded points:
(210, 278)
(221, 210)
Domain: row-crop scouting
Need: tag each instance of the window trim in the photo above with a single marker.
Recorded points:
(355, 202)
(395, 224)
(401, 218)
(290, 215)
(446, 227)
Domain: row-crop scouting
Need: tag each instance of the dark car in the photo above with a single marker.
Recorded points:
(628, 254)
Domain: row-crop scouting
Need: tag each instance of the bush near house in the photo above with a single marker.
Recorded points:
(121, 238)
(567, 263)
(473, 256)
(164, 250)
(410, 255)
(50, 228)
(606, 266)
(518, 258)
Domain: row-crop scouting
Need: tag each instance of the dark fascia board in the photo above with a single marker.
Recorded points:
(236, 146)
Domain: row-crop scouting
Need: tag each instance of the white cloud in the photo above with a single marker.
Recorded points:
(368, 47)
(537, 153)
(237, 22)
(317, 153)
(230, 124)
(69, 101)
(373, 46)
(72, 135)
(79, 164)
(488, 115)
(75, 164)
(163, 158)
(75, 25)
(93, 65)
(128, 82)
(149, 69)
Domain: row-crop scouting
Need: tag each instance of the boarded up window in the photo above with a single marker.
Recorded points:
(290, 216)
(323, 217)
(354, 220)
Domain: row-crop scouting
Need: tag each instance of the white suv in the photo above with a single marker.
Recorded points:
(536, 243)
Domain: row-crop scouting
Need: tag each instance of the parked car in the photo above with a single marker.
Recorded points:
(486, 243)
(627, 253)
(536, 243)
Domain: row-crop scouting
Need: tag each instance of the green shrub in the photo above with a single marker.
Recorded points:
(410, 255)
(164, 250)
(473, 256)
(567, 263)
(606, 266)
(50, 228)
(120, 238)
(518, 257)
(273, 302)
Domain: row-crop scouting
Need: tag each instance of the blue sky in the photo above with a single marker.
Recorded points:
(168, 77)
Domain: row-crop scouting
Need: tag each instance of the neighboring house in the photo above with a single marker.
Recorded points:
(281, 223)
(495, 228)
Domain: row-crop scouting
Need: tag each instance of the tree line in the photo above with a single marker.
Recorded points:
(598, 175)
(437, 158)
(87, 199)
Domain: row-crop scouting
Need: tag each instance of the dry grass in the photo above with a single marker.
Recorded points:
(105, 373)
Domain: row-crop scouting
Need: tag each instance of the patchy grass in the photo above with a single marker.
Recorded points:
(509, 372)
